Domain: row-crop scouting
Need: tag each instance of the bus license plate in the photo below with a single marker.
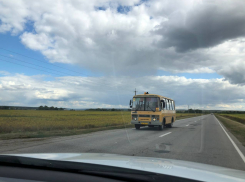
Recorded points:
(144, 123)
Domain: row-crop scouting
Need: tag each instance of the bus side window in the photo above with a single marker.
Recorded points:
(171, 105)
(167, 105)
(163, 104)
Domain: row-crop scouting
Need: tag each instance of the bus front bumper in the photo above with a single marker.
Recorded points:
(146, 123)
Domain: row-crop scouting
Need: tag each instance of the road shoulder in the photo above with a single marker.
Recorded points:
(231, 128)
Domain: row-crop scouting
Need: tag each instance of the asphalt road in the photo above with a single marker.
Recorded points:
(199, 139)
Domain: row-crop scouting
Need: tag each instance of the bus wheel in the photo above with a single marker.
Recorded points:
(171, 124)
(137, 127)
(160, 127)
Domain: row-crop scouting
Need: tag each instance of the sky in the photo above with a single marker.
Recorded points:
(93, 54)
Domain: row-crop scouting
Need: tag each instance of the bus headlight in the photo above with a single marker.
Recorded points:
(155, 117)
(134, 117)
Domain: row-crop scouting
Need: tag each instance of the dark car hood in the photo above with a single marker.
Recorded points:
(191, 170)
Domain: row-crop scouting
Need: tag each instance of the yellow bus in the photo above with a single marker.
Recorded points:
(152, 110)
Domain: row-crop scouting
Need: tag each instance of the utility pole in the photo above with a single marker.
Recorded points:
(135, 91)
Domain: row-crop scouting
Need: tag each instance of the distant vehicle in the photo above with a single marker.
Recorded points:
(152, 110)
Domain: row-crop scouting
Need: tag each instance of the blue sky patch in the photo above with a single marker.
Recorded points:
(101, 8)
(29, 27)
(123, 9)
(141, 2)
(16, 58)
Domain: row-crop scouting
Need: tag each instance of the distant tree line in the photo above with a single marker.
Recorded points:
(232, 112)
(194, 111)
(190, 111)
(49, 108)
(105, 109)
(209, 111)
(4, 107)
(17, 108)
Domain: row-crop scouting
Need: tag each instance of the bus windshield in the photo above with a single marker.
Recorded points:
(145, 103)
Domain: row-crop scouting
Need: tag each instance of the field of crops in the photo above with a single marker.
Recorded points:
(235, 123)
(29, 120)
(236, 117)
(30, 123)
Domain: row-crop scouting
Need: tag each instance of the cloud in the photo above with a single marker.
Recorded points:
(176, 36)
(235, 72)
(36, 41)
(97, 92)
(203, 24)
(100, 40)
(12, 21)
(4, 73)
(195, 70)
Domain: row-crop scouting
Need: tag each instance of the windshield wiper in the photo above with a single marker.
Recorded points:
(136, 108)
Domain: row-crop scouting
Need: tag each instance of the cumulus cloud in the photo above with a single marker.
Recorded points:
(36, 41)
(86, 92)
(203, 24)
(12, 21)
(98, 37)
(235, 72)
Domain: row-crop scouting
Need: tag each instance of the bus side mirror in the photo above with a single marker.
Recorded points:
(130, 104)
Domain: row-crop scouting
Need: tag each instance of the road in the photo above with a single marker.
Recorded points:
(198, 139)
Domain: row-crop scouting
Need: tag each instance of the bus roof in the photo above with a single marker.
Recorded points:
(152, 95)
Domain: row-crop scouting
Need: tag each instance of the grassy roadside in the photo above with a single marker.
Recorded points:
(236, 128)
(235, 117)
(40, 124)
(45, 134)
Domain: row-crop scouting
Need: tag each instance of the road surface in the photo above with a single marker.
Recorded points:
(199, 139)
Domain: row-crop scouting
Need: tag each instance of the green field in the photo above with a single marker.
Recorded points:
(34, 123)
(235, 123)
(236, 117)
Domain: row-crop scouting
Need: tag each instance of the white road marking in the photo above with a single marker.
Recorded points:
(165, 134)
(186, 125)
(195, 121)
(237, 149)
